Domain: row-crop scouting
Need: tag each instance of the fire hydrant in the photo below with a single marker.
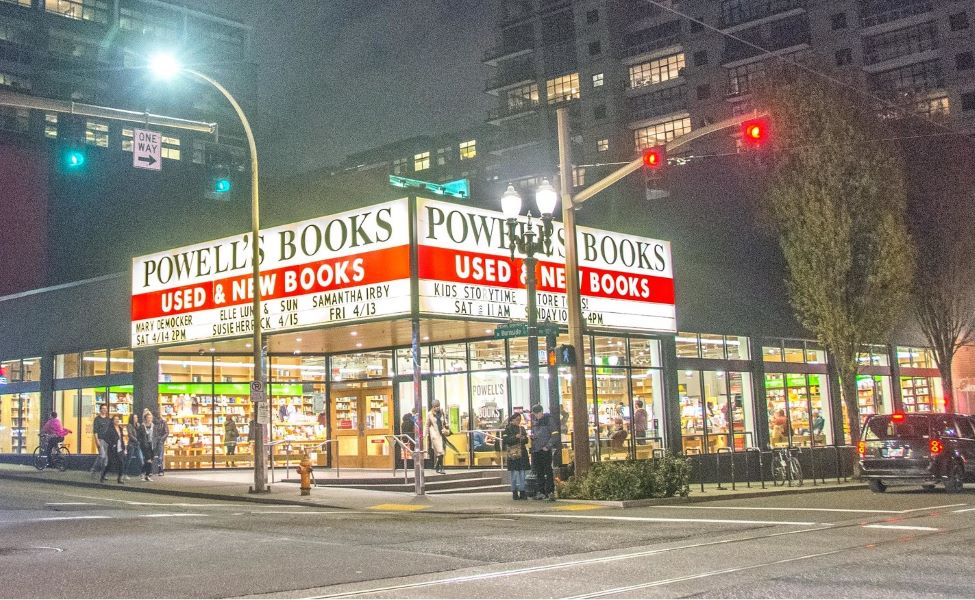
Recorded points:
(304, 469)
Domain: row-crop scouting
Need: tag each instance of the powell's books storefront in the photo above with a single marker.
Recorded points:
(342, 295)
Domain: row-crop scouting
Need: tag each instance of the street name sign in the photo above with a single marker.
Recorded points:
(510, 330)
(147, 149)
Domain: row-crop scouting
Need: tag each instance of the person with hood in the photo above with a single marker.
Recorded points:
(545, 440)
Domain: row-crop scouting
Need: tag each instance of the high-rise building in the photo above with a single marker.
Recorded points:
(635, 73)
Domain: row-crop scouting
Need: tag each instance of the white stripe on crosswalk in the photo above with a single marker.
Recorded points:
(906, 527)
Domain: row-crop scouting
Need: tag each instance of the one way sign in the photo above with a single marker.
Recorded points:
(147, 150)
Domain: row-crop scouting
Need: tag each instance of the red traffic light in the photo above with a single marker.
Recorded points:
(755, 132)
(655, 158)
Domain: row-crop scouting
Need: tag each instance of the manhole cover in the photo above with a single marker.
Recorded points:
(30, 550)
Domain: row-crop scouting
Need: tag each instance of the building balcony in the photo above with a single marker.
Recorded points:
(878, 12)
(499, 114)
(735, 51)
(740, 12)
(663, 102)
(509, 78)
(650, 40)
(508, 50)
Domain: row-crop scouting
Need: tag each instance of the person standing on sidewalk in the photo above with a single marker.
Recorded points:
(98, 428)
(230, 436)
(134, 451)
(146, 431)
(515, 440)
(545, 439)
(160, 434)
(115, 444)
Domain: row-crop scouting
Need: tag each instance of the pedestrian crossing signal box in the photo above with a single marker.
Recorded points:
(565, 355)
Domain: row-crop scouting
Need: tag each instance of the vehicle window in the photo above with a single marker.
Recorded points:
(965, 427)
(882, 427)
(944, 426)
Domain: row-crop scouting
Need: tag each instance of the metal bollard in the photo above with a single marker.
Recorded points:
(717, 462)
(761, 472)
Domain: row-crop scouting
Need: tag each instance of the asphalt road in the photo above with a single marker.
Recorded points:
(73, 542)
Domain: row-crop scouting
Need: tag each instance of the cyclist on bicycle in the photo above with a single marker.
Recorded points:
(55, 433)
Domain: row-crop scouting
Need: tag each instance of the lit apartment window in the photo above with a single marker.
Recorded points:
(563, 89)
(602, 145)
(578, 176)
(83, 10)
(656, 71)
(523, 98)
(468, 150)
(19, 2)
(51, 125)
(421, 161)
(399, 166)
(934, 107)
(597, 80)
(96, 134)
(661, 133)
(170, 148)
(127, 139)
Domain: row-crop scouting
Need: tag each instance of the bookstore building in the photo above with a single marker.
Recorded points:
(342, 295)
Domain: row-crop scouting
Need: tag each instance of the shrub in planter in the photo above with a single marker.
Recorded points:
(631, 480)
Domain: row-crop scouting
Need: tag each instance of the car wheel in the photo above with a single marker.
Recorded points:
(956, 479)
(877, 486)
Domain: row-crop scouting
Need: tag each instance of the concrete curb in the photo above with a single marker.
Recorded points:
(766, 493)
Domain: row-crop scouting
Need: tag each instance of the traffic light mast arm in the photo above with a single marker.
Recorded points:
(637, 163)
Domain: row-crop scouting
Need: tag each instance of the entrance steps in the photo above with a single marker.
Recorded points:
(456, 482)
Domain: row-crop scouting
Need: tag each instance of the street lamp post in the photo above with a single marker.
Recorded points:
(531, 242)
(166, 66)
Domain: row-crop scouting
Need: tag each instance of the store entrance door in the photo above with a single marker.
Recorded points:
(362, 417)
(405, 402)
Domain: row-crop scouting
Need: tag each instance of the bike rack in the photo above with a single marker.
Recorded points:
(717, 461)
(761, 471)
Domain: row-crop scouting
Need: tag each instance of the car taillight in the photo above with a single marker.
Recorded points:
(936, 447)
(862, 449)
(897, 417)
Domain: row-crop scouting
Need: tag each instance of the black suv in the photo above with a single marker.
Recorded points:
(924, 448)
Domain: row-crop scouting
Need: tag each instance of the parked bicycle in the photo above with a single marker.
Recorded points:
(785, 467)
(58, 458)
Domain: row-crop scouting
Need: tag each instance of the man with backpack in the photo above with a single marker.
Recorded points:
(545, 441)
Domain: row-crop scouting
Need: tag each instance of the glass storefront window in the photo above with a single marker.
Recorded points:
(645, 353)
(67, 366)
(815, 353)
(798, 414)
(772, 353)
(648, 408)
(404, 361)
(489, 398)
(174, 368)
(488, 354)
(691, 411)
(120, 402)
(32, 369)
(873, 356)
(451, 390)
(94, 363)
(610, 352)
(712, 346)
(229, 369)
(449, 358)
(920, 358)
(11, 370)
(363, 365)
(793, 352)
(687, 345)
(121, 360)
(20, 422)
(66, 404)
(738, 348)
(922, 394)
(89, 401)
(614, 412)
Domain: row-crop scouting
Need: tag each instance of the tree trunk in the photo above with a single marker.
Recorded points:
(948, 386)
(848, 391)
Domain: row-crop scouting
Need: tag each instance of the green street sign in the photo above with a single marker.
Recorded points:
(510, 330)
(460, 188)
(547, 329)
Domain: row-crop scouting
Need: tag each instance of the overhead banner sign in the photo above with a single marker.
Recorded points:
(341, 268)
(466, 270)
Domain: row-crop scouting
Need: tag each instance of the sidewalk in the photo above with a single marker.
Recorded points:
(232, 486)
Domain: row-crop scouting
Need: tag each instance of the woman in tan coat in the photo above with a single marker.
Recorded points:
(437, 430)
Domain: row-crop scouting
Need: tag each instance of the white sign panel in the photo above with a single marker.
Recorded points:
(347, 267)
(466, 270)
(147, 149)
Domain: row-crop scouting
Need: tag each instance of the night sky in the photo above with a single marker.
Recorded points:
(336, 77)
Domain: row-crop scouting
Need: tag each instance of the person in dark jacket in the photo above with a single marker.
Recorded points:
(545, 440)
(515, 440)
(132, 443)
(408, 427)
(115, 446)
(146, 430)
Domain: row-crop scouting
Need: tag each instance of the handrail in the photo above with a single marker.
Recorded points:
(398, 441)
(761, 471)
(338, 465)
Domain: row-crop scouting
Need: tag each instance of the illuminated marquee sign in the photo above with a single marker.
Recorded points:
(466, 270)
(355, 266)
(342, 268)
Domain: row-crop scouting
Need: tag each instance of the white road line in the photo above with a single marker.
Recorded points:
(138, 503)
(303, 512)
(69, 503)
(963, 510)
(660, 582)
(668, 520)
(787, 509)
(907, 527)
(936, 507)
(73, 518)
(166, 515)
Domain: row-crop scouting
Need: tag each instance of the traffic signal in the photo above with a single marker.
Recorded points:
(224, 171)
(755, 132)
(552, 359)
(655, 158)
(565, 355)
(72, 159)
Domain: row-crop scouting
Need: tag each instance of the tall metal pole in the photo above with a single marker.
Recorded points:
(260, 484)
(530, 284)
(580, 416)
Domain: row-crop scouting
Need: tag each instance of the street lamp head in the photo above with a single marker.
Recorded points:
(164, 66)
(511, 202)
(545, 198)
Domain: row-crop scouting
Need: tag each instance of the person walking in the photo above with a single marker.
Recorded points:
(134, 451)
(230, 437)
(545, 439)
(160, 434)
(146, 431)
(115, 445)
(407, 427)
(437, 431)
(98, 428)
(515, 440)
(55, 433)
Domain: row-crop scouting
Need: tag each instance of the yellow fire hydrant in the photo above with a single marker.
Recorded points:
(304, 469)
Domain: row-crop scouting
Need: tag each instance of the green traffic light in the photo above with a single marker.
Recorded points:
(222, 186)
(74, 159)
